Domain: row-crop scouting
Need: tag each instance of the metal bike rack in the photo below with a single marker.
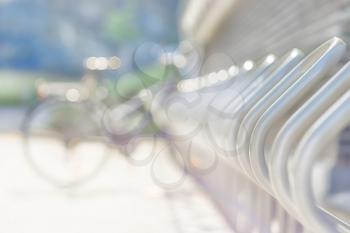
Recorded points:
(273, 135)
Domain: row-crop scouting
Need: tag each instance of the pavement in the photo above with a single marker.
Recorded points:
(138, 195)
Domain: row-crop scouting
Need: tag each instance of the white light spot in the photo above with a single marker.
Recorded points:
(270, 58)
(73, 95)
(295, 52)
(101, 63)
(248, 65)
(222, 75)
(90, 63)
(179, 60)
(212, 78)
(233, 70)
(114, 63)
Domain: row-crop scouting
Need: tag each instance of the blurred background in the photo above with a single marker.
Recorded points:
(60, 48)
(50, 40)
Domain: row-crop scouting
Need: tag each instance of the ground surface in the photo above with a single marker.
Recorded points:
(124, 198)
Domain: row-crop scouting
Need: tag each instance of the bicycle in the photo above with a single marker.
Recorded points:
(74, 118)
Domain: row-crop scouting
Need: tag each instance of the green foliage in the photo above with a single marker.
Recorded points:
(121, 26)
(130, 84)
(16, 90)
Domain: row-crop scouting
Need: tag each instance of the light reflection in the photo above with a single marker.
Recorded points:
(248, 65)
(233, 70)
(212, 78)
(207, 80)
(270, 58)
(73, 95)
(114, 63)
(103, 63)
(222, 75)
(179, 60)
(90, 63)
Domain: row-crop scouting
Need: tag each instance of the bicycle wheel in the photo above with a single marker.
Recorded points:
(64, 142)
